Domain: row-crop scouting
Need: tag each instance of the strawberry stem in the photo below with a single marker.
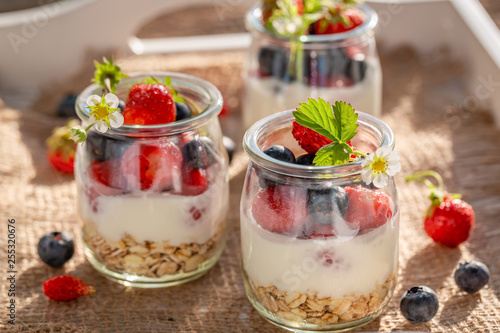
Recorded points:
(436, 194)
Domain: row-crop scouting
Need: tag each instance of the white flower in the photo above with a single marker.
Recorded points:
(379, 166)
(77, 134)
(104, 113)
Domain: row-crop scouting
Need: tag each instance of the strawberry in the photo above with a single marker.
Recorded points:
(194, 181)
(61, 149)
(151, 167)
(449, 219)
(368, 209)
(345, 20)
(280, 209)
(450, 222)
(149, 104)
(310, 140)
(107, 173)
(66, 288)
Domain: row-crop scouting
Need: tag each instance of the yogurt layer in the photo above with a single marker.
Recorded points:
(159, 217)
(265, 96)
(331, 267)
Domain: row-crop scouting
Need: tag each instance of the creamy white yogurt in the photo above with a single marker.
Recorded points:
(328, 268)
(265, 96)
(158, 217)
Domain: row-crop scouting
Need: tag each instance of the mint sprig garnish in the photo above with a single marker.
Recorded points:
(337, 123)
(107, 75)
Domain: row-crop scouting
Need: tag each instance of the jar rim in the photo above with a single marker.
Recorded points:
(252, 135)
(253, 20)
(201, 86)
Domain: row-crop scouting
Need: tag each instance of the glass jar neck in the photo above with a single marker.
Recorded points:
(372, 134)
(204, 94)
(360, 34)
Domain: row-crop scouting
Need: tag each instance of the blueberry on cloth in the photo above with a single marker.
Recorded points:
(56, 248)
(472, 276)
(419, 304)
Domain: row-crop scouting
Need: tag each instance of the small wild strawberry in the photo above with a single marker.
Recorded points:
(449, 219)
(66, 288)
(61, 149)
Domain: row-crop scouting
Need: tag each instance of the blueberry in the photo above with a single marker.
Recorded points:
(419, 304)
(472, 276)
(55, 248)
(230, 147)
(183, 111)
(102, 147)
(273, 61)
(305, 159)
(323, 67)
(280, 153)
(67, 106)
(121, 105)
(199, 153)
(327, 204)
(357, 67)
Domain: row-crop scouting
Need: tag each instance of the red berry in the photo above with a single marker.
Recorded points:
(66, 288)
(308, 139)
(368, 209)
(61, 163)
(280, 209)
(353, 14)
(107, 173)
(450, 222)
(149, 104)
(61, 149)
(151, 167)
(194, 181)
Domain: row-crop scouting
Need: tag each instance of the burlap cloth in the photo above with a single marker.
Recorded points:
(460, 143)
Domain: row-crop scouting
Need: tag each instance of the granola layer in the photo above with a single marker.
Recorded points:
(303, 307)
(149, 259)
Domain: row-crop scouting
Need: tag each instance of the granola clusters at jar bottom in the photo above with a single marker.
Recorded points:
(309, 308)
(149, 259)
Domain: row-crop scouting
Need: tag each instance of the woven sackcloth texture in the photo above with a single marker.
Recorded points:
(419, 95)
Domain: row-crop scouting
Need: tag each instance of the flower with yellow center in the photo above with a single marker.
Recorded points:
(378, 167)
(104, 113)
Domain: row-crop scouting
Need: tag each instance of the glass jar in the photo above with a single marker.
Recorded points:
(280, 73)
(153, 212)
(319, 246)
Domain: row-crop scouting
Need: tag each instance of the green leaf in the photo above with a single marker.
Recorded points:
(168, 81)
(318, 116)
(107, 74)
(347, 119)
(333, 154)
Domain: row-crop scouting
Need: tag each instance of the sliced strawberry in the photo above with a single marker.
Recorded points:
(61, 163)
(368, 209)
(107, 173)
(194, 181)
(280, 209)
(151, 167)
(149, 104)
(353, 15)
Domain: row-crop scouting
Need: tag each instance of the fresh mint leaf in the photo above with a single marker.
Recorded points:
(347, 119)
(333, 154)
(318, 116)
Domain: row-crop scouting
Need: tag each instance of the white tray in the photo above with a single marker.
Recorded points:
(61, 32)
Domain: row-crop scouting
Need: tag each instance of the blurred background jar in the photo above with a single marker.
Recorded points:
(282, 72)
(153, 199)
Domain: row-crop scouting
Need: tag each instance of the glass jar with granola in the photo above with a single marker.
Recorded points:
(319, 217)
(152, 193)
